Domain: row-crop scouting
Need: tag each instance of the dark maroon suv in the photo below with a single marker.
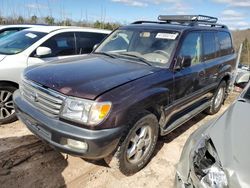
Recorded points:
(143, 80)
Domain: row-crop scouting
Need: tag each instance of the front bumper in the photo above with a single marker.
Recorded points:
(100, 143)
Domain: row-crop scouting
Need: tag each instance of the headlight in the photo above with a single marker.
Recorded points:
(85, 111)
(207, 166)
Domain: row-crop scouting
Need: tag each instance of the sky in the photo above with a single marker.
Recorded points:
(234, 13)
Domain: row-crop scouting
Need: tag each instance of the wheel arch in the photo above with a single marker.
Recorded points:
(9, 83)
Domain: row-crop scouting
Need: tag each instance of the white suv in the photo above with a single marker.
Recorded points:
(35, 46)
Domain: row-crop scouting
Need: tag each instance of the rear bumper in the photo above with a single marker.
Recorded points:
(100, 143)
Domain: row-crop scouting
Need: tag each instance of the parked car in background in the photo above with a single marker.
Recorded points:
(143, 80)
(216, 155)
(6, 30)
(35, 46)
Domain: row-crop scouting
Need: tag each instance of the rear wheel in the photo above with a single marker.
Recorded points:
(218, 99)
(137, 146)
(7, 111)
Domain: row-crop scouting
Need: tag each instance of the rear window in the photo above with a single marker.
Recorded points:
(225, 43)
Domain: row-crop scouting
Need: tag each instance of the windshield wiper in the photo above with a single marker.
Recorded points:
(137, 57)
(104, 53)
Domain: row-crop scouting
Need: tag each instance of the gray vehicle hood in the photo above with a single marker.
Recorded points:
(231, 137)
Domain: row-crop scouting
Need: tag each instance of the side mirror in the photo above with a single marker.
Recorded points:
(43, 51)
(95, 46)
(183, 62)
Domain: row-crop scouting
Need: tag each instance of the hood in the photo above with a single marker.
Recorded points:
(230, 135)
(87, 77)
(2, 57)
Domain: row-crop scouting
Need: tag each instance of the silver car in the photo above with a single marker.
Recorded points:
(217, 154)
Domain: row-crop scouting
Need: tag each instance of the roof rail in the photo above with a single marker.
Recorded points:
(187, 18)
(144, 21)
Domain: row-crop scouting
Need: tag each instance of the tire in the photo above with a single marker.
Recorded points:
(7, 111)
(134, 153)
(218, 99)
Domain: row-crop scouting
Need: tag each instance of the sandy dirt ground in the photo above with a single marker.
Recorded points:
(26, 162)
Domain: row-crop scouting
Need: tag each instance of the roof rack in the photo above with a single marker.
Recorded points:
(189, 20)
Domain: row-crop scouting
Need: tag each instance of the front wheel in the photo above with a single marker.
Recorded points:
(7, 111)
(218, 99)
(137, 146)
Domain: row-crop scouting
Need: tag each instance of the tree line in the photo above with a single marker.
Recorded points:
(49, 20)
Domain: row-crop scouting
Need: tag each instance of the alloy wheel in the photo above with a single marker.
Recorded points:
(6, 104)
(219, 97)
(139, 144)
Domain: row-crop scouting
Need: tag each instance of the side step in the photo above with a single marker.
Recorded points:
(184, 118)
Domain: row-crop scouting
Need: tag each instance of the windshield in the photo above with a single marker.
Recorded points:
(6, 33)
(19, 41)
(153, 46)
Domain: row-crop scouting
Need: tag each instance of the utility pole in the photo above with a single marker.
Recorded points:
(231, 86)
(248, 59)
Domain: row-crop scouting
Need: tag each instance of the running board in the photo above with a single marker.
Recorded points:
(185, 118)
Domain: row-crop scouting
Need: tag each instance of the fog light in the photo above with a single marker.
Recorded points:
(74, 144)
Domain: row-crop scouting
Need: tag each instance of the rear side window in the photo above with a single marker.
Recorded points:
(86, 41)
(191, 47)
(62, 44)
(225, 43)
(209, 46)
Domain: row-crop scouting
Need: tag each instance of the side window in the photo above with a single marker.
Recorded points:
(86, 41)
(191, 48)
(209, 46)
(62, 44)
(225, 43)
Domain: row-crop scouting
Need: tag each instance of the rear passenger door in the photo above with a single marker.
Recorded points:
(85, 41)
(190, 81)
(218, 56)
(210, 58)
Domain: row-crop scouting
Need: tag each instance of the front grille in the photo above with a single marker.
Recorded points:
(47, 101)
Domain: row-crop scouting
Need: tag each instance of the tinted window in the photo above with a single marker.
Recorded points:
(225, 43)
(191, 48)
(86, 41)
(62, 44)
(209, 46)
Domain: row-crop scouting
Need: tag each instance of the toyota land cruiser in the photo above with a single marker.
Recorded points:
(143, 80)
